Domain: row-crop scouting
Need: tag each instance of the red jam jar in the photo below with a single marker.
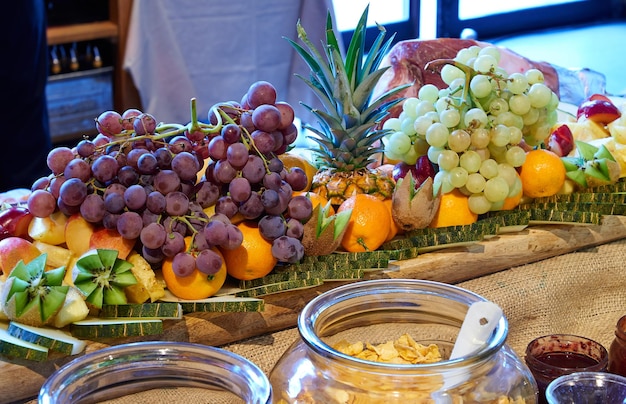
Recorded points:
(617, 350)
(551, 356)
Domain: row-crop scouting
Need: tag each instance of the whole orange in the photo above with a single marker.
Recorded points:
(369, 223)
(393, 226)
(196, 286)
(453, 210)
(542, 174)
(253, 258)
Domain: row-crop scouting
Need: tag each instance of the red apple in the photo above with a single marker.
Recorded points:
(421, 170)
(561, 141)
(598, 110)
(111, 239)
(14, 222)
(14, 249)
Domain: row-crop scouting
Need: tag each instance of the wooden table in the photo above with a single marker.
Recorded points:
(22, 379)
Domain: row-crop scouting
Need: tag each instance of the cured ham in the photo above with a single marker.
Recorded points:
(409, 58)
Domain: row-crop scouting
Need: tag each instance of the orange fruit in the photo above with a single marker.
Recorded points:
(453, 210)
(393, 226)
(196, 286)
(294, 160)
(369, 223)
(316, 199)
(253, 258)
(542, 174)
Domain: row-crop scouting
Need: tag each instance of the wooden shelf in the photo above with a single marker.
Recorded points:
(82, 32)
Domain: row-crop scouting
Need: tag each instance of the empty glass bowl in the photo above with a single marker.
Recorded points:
(158, 367)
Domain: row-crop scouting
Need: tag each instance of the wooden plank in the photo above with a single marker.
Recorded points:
(81, 32)
(21, 380)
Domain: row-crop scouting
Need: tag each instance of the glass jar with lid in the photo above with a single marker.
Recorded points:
(379, 311)
(158, 371)
(617, 349)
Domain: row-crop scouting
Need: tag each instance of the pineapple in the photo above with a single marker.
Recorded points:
(349, 132)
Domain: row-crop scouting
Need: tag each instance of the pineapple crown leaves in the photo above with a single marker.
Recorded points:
(345, 87)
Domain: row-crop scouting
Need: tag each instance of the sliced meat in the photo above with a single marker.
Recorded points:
(408, 59)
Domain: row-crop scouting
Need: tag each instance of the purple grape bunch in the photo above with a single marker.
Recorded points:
(156, 182)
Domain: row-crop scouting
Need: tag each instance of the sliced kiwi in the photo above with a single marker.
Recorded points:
(101, 277)
(33, 295)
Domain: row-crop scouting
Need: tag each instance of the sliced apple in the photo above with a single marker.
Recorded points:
(49, 229)
(78, 232)
(57, 256)
(14, 250)
(599, 110)
(103, 238)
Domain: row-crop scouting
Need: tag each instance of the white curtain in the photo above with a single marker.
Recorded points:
(214, 49)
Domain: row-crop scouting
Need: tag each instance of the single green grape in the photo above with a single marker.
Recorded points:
(450, 117)
(478, 203)
(489, 168)
(475, 183)
(470, 161)
(480, 138)
(515, 156)
(437, 134)
(458, 177)
(507, 172)
(459, 140)
(496, 189)
(519, 104)
(540, 95)
(500, 135)
(517, 83)
(447, 160)
(429, 93)
(480, 85)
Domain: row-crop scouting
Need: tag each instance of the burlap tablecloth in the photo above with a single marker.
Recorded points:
(581, 293)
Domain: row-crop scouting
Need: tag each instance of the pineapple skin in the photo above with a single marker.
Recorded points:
(337, 186)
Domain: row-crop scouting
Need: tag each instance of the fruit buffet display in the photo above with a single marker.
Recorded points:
(149, 221)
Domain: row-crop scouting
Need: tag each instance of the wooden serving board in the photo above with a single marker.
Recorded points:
(21, 380)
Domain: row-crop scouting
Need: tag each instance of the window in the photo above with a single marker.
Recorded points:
(397, 16)
(429, 19)
(494, 18)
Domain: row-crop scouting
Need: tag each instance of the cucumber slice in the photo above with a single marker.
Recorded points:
(280, 287)
(158, 310)
(19, 349)
(550, 216)
(116, 327)
(51, 338)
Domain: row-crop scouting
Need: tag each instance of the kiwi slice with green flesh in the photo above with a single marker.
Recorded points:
(101, 277)
(33, 295)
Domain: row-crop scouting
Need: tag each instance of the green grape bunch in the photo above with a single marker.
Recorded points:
(476, 130)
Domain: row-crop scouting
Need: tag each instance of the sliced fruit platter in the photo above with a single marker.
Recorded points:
(220, 229)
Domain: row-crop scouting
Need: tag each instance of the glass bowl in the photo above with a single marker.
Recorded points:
(136, 368)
